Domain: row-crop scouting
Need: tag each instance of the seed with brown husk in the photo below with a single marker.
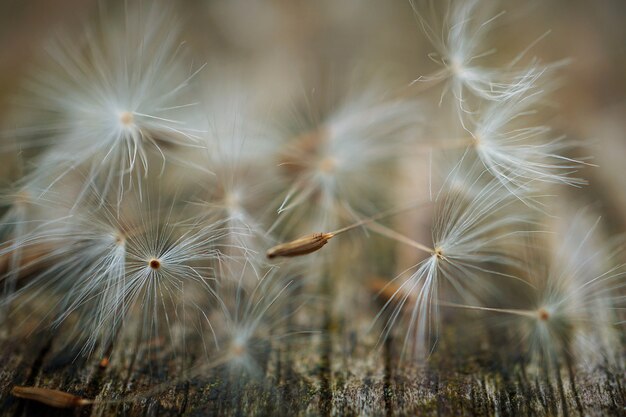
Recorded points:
(51, 397)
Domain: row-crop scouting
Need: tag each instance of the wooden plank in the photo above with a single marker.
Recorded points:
(341, 373)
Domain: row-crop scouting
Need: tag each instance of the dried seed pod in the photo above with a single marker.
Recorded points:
(315, 241)
(51, 397)
(301, 246)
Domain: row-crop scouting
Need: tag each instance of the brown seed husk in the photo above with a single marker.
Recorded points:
(301, 246)
(51, 397)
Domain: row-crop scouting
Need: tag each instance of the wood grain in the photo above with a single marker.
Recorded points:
(341, 372)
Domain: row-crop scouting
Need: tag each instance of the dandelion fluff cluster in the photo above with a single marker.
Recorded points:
(153, 187)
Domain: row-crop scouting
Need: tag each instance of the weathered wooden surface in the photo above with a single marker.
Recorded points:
(340, 373)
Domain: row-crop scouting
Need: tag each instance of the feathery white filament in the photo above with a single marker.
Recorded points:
(112, 103)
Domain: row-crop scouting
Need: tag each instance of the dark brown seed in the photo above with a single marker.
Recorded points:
(154, 264)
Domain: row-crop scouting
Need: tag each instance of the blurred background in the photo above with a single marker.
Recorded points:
(276, 44)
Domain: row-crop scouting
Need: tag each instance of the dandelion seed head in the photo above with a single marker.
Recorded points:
(252, 317)
(112, 102)
(238, 347)
(328, 165)
(574, 297)
(127, 119)
(460, 71)
(469, 232)
(343, 156)
(521, 156)
(234, 202)
(543, 314)
(120, 239)
(459, 39)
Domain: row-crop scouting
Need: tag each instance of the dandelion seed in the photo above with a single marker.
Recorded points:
(337, 164)
(170, 275)
(252, 320)
(76, 259)
(25, 209)
(573, 301)
(520, 155)
(113, 103)
(315, 241)
(579, 296)
(51, 397)
(113, 273)
(246, 324)
(237, 175)
(460, 45)
(471, 239)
